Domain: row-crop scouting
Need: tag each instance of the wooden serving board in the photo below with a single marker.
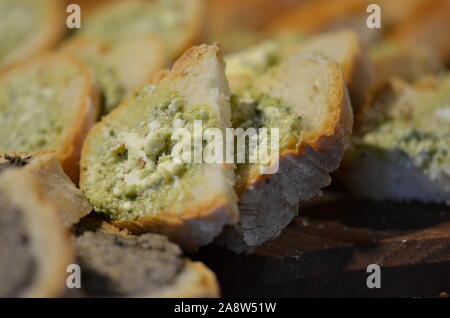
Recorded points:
(326, 250)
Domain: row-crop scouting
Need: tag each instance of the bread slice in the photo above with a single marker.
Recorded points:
(305, 97)
(28, 28)
(122, 265)
(391, 59)
(35, 247)
(121, 68)
(343, 46)
(49, 102)
(128, 172)
(53, 182)
(176, 22)
(427, 26)
(403, 152)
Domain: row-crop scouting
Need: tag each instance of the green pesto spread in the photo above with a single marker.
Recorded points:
(416, 127)
(258, 59)
(163, 18)
(250, 109)
(131, 172)
(33, 107)
(19, 20)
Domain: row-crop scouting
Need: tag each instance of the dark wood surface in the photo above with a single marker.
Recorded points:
(325, 252)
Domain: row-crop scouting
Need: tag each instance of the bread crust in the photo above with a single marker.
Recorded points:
(199, 223)
(56, 185)
(51, 34)
(267, 203)
(51, 243)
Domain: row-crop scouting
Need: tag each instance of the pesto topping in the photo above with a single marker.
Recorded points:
(131, 172)
(17, 264)
(19, 20)
(162, 17)
(33, 107)
(417, 126)
(257, 110)
(116, 266)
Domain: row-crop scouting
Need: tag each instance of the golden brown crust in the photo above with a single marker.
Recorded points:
(196, 281)
(51, 243)
(314, 16)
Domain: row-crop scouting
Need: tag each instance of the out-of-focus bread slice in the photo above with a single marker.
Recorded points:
(121, 68)
(343, 46)
(35, 236)
(200, 211)
(51, 103)
(119, 264)
(313, 87)
(177, 23)
(28, 28)
(402, 152)
(428, 27)
(320, 15)
(53, 182)
(406, 62)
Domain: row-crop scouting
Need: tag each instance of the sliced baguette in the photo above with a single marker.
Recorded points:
(49, 102)
(39, 246)
(313, 88)
(121, 68)
(190, 214)
(28, 28)
(176, 22)
(343, 46)
(402, 152)
(53, 182)
(122, 265)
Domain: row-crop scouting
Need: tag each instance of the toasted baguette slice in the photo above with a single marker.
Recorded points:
(53, 182)
(176, 22)
(342, 46)
(122, 265)
(35, 247)
(428, 26)
(49, 102)
(309, 87)
(28, 28)
(403, 153)
(128, 172)
(121, 68)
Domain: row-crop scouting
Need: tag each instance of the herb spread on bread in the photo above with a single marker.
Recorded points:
(33, 106)
(133, 172)
(416, 126)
